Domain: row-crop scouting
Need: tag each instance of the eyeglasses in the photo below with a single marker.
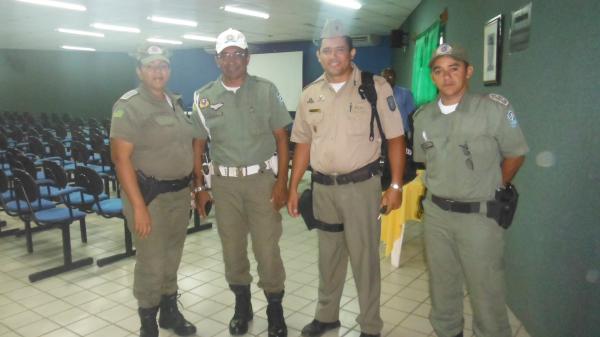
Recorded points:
(466, 152)
(238, 55)
(159, 67)
(331, 51)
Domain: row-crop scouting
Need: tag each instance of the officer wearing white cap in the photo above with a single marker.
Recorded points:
(332, 131)
(150, 132)
(472, 147)
(245, 117)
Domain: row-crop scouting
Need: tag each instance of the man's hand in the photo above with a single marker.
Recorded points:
(143, 222)
(279, 195)
(200, 200)
(292, 203)
(392, 199)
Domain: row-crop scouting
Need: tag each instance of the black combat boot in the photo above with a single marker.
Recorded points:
(171, 318)
(148, 320)
(243, 310)
(277, 327)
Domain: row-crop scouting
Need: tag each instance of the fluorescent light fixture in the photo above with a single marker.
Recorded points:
(157, 40)
(199, 38)
(57, 4)
(345, 3)
(79, 32)
(173, 21)
(78, 48)
(244, 11)
(115, 28)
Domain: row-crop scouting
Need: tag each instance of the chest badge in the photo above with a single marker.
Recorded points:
(216, 106)
(310, 100)
(321, 98)
(204, 103)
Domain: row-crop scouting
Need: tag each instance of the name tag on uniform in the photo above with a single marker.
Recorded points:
(314, 110)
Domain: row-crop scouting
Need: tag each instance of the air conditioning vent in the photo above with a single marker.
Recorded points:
(367, 40)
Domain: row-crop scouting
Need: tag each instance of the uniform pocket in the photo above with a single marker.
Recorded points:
(434, 151)
(214, 120)
(314, 119)
(359, 119)
(165, 120)
(484, 152)
(259, 123)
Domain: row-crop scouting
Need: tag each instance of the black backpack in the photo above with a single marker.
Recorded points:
(367, 91)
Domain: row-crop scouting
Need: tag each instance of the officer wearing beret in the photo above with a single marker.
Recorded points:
(471, 145)
(149, 133)
(245, 117)
(332, 131)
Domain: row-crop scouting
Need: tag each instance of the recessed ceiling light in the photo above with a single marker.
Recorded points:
(157, 40)
(115, 28)
(57, 4)
(199, 38)
(78, 48)
(173, 21)
(345, 3)
(244, 11)
(79, 32)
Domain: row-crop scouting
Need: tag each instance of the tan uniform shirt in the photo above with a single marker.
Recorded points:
(160, 133)
(337, 125)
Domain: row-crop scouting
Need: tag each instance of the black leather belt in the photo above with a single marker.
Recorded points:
(174, 185)
(355, 176)
(456, 206)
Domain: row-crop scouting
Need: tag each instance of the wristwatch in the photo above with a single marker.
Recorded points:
(201, 188)
(396, 186)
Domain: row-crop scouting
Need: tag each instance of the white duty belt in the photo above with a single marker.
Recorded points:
(243, 171)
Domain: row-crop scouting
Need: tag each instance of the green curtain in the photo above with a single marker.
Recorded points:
(422, 87)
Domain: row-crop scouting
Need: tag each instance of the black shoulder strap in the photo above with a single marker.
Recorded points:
(367, 91)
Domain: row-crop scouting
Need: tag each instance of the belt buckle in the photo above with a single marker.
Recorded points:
(239, 171)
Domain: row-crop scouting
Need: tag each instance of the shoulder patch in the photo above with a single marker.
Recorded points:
(498, 98)
(512, 119)
(118, 113)
(129, 94)
(391, 103)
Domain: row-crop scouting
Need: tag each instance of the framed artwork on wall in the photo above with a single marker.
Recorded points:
(492, 50)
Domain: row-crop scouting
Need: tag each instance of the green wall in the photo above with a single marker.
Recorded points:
(79, 83)
(553, 247)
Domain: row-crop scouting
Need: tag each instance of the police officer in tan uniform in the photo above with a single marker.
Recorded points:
(472, 147)
(151, 143)
(245, 117)
(332, 129)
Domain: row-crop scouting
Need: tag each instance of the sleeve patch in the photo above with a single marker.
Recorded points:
(118, 113)
(129, 94)
(512, 119)
(499, 98)
(391, 103)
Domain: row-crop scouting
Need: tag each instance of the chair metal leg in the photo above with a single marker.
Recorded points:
(197, 226)
(68, 263)
(9, 232)
(28, 236)
(83, 229)
(129, 251)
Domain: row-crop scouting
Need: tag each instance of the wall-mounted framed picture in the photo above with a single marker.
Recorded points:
(492, 50)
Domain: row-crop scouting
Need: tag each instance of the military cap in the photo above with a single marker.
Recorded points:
(147, 54)
(333, 28)
(229, 38)
(446, 49)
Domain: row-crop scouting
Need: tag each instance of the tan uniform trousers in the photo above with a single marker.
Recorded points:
(242, 206)
(158, 255)
(356, 205)
(465, 247)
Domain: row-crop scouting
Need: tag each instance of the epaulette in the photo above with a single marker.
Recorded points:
(320, 79)
(498, 98)
(126, 96)
(206, 86)
(414, 114)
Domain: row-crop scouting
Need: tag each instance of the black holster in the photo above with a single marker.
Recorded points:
(503, 207)
(305, 206)
(151, 187)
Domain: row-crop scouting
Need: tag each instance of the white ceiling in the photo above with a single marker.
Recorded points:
(27, 26)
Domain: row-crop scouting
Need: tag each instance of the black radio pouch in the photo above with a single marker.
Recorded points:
(503, 208)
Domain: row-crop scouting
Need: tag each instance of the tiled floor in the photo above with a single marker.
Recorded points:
(98, 302)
